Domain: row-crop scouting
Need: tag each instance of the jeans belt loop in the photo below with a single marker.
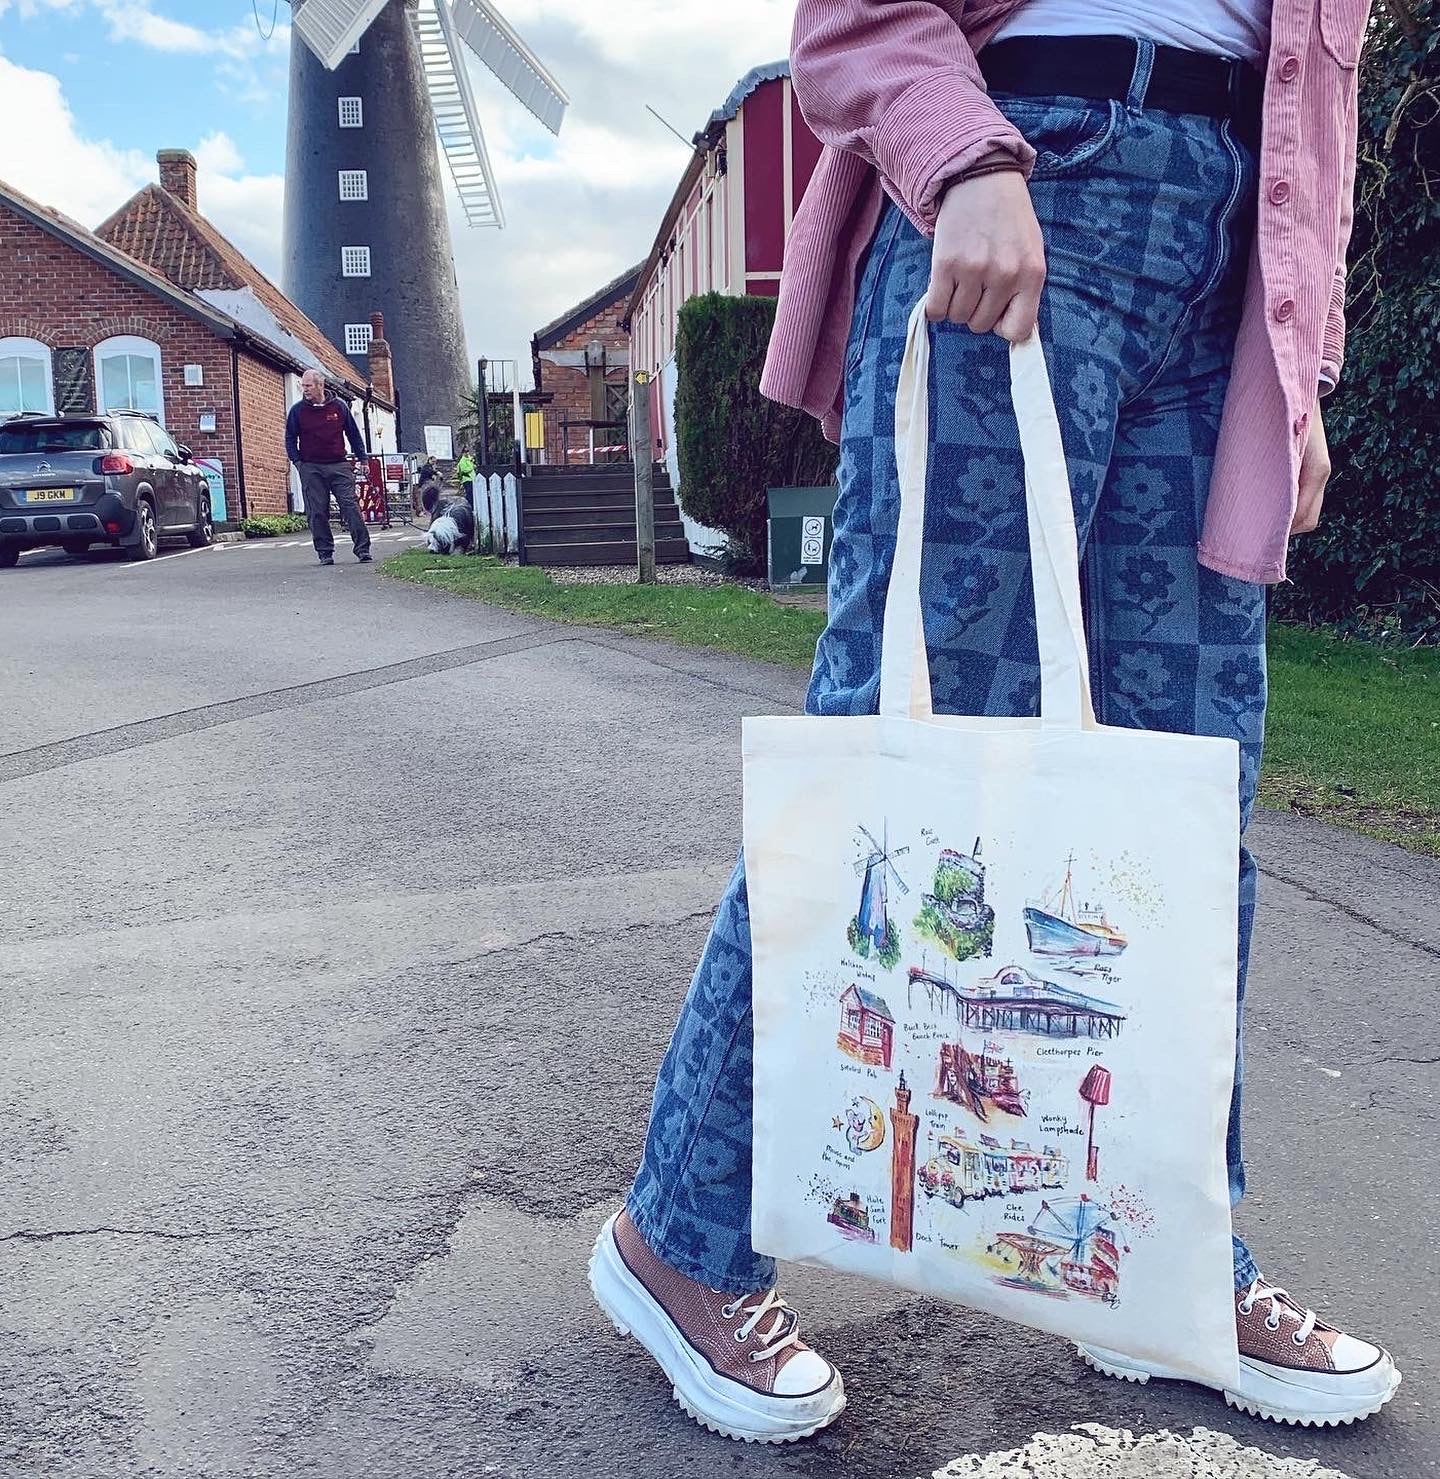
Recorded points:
(1140, 77)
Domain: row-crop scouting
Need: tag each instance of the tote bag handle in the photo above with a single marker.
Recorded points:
(1054, 551)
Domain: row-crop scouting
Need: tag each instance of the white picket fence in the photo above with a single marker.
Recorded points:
(496, 510)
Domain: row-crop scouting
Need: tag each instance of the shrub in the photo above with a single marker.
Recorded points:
(267, 526)
(734, 444)
(1374, 563)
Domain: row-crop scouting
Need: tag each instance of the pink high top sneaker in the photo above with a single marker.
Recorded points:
(736, 1362)
(1294, 1368)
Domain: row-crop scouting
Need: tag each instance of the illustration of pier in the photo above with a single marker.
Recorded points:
(1013, 1000)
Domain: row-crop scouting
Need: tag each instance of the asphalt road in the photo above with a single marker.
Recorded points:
(343, 927)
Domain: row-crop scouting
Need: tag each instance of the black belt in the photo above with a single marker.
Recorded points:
(1104, 67)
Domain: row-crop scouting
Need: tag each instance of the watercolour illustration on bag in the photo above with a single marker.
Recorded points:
(994, 995)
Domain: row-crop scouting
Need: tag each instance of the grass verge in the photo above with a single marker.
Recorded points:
(727, 618)
(1353, 734)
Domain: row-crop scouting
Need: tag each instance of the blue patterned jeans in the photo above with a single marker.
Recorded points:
(1147, 219)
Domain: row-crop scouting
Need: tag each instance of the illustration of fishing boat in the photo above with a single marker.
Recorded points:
(1058, 926)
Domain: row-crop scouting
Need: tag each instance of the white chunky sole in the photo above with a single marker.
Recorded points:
(1265, 1394)
(724, 1406)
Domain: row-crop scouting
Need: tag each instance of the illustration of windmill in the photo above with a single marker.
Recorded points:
(373, 84)
(872, 928)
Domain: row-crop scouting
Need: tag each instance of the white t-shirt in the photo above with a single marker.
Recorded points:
(1229, 28)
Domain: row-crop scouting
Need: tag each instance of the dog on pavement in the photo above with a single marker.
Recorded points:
(452, 522)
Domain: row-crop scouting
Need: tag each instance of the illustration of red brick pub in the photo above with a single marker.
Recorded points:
(867, 1028)
(902, 1170)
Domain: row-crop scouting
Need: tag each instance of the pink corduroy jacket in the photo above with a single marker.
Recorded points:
(893, 91)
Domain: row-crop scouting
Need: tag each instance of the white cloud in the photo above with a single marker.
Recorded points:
(135, 20)
(44, 154)
(583, 207)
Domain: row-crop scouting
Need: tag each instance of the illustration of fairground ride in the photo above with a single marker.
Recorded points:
(1074, 1246)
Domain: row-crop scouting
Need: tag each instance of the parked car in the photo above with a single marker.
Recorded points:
(118, 480)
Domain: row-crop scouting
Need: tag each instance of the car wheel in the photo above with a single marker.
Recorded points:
(149, 542)
(9, 556)
(204, 531)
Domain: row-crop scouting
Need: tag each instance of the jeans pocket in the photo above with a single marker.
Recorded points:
(871, 276)
(1066, 133)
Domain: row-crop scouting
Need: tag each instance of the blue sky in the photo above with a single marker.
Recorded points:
(151, 94)
(90, 89)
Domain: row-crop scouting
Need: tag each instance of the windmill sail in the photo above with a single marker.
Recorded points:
(456, 121)
(496, 42)
(331, 27)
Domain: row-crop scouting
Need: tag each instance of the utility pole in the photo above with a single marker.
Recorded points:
(641, 450)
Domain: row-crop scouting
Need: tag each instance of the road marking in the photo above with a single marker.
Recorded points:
(1090, 1451)
(179, 554)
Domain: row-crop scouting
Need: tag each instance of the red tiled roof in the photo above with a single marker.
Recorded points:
(165, 234)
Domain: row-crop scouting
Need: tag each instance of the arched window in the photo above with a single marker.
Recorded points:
(25, 379)
(127, 375)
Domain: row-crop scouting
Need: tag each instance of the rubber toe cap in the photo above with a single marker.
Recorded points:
(803, 1374)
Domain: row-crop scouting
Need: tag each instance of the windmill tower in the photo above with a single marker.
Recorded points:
(372, 84)
(873, 916)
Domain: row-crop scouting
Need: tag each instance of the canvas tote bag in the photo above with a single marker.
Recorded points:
(995, 974)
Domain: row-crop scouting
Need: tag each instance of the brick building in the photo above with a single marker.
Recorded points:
(581, 363)
(156, 311)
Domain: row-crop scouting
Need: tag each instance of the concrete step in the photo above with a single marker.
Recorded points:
(667, 552)
(601, 512)
(623, 534)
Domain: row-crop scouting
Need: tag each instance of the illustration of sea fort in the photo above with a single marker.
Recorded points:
(1055, 925)
(850, 1216)
(1013, 1000)
(965, 1171)
(956, 915)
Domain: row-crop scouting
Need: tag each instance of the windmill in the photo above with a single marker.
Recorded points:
(373, 84)
(877, 867)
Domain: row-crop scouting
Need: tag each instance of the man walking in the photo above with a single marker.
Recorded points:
(315, 434)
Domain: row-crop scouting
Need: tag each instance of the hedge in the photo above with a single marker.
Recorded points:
(268, 526)
(734, 444)
(1374, 563)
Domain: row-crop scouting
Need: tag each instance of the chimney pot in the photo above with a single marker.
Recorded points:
(178, 175)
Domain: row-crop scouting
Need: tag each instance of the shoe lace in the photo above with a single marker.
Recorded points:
(1280, 1304)
(782, 1332)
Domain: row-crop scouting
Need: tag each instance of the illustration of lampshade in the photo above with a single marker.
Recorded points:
(1094, 1090)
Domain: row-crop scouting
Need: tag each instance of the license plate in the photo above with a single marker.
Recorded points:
(51, 495)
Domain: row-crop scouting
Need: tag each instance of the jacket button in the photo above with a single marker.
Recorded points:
(1289, 69)
(1280, 192)
(1301, 423)
(1284, 310)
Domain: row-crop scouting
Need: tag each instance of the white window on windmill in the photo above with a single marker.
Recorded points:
(355, 261)
(357, 338)
(354, 184)
(352, 113)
